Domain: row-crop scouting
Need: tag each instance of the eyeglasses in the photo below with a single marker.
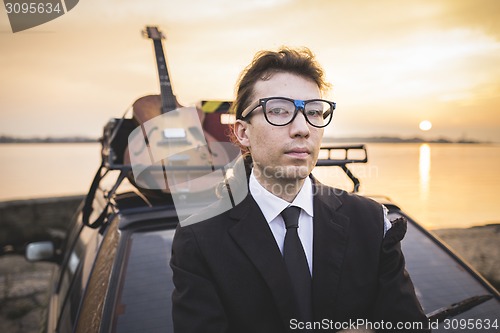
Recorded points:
(281, 111)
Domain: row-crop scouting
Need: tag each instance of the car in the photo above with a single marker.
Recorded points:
(113, 273)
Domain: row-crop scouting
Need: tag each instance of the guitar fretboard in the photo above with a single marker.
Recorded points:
(167, 95)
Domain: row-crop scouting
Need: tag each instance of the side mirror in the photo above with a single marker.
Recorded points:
(40, 251)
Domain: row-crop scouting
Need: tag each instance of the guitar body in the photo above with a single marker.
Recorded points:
(143, 109)
(201, 151)
(146, 108)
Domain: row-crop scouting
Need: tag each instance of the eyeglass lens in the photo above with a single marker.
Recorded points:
(280, 111)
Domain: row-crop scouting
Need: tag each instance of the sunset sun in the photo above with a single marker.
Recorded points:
(425, 125)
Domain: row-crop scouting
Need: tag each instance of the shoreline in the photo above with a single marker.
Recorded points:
(479, 246)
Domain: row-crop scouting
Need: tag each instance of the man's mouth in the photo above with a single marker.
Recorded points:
(298, 152)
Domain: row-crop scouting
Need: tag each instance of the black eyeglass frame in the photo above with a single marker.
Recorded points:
(299, 105)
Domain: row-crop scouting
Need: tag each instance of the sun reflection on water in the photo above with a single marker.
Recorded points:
(424, 170)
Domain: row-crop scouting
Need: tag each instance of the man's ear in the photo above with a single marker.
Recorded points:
(240, 129)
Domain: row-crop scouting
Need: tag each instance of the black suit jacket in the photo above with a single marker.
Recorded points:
(229, 274)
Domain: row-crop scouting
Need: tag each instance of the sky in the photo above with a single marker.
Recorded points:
(392, 64)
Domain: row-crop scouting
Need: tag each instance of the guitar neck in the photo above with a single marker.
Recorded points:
(168, 101)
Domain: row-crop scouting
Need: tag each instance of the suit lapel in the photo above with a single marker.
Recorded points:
(329, 246)
(255, 238)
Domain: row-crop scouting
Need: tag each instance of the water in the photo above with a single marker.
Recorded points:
(45, 170)
(440, 185)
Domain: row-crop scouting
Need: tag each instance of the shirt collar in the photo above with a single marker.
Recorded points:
(272, 206)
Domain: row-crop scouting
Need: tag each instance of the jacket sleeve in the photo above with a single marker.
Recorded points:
(196, 306)
(396, 300)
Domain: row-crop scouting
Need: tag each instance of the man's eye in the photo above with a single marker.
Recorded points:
(314, 113)
(278, 112)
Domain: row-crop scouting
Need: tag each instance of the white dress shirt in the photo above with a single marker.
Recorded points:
(272, 206)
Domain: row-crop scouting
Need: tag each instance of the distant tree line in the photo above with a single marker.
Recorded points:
(395, 139)
(379, 139)
(72, 139)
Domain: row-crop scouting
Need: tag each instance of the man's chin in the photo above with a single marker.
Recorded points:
(296, 172)
(287, 173)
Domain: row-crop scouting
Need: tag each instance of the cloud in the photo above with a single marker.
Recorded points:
(479, 14)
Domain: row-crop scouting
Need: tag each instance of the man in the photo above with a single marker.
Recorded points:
(246, 270)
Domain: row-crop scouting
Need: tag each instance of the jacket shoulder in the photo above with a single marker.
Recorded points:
(357, 201)
(345, 200)
(219, 214)
(365, 214)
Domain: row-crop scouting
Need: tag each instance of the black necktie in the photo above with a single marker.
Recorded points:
(296, 263)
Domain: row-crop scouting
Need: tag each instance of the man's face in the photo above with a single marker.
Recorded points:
(281, 154)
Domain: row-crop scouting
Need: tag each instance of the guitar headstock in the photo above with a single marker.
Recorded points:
(153, 33)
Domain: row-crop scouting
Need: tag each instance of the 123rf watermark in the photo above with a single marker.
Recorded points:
(451, 324)
(26, 14)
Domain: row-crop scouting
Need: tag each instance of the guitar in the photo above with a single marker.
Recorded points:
(199, 151)
(148, 107)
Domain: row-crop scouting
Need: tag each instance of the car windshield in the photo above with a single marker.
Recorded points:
(441, 281)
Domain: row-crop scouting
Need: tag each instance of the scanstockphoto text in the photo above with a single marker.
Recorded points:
(288, 175)
(452, 324)
(355, 324)
(284, 178)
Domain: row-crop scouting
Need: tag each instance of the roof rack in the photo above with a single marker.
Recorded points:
(333, 158)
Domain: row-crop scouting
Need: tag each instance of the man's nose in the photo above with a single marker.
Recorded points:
(299, 126)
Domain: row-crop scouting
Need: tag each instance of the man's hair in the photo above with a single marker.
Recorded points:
(265, 63)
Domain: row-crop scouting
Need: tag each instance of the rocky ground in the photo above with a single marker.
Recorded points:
(23, 294)
(23, 285)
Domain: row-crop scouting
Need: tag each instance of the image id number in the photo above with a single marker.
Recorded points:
(32, 8)
(469, 324)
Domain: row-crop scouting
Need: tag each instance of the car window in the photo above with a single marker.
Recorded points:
(144, 295)
(76, 269)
